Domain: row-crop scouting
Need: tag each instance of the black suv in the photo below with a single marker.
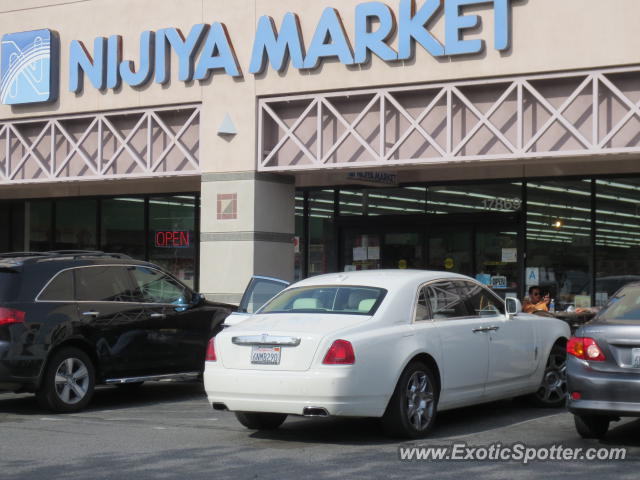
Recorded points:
(70, 320)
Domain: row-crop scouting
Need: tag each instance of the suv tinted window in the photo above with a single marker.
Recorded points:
(60, 288)
(153, 286)
(103, 284)
(481, 301)
(445, 301)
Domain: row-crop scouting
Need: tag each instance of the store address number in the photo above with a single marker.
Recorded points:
(500, 204)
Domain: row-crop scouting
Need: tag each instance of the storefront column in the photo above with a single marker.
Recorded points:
(247, 225)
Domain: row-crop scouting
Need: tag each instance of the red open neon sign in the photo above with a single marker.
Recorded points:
(172, 239)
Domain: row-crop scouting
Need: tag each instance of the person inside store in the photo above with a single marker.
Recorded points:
(535, 302)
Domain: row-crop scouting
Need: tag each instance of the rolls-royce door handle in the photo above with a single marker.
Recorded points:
(478, 330)
(157, 316)
(492, 328)
(91, 313)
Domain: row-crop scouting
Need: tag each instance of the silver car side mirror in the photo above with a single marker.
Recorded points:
(513, 306)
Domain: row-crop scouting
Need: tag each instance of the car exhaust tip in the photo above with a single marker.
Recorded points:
(314, 412)
(219, 406)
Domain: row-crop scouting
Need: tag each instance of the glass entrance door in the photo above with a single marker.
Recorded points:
(384, 249)
(484, 251)
(496, 257)
(451, 249)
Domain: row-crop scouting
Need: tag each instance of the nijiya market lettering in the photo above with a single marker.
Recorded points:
(208, 47)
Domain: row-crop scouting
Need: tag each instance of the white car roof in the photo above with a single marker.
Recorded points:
(388, 279)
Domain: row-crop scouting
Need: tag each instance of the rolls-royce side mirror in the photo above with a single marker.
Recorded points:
(513, 306)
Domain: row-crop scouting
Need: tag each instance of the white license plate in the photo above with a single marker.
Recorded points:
(265, 355)
(635, 357)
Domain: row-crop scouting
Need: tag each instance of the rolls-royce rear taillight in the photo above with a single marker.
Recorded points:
(340, 353)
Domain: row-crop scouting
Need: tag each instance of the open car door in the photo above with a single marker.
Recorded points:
(259, 291)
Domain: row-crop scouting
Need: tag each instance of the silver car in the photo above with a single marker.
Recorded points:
(603, 365)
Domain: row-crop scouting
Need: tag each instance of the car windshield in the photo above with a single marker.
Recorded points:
(624, 306)
(352, 300)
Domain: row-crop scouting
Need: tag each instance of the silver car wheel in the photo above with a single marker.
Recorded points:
(420, 400)
(71, 381)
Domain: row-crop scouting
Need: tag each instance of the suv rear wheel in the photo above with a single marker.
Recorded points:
(68, 382)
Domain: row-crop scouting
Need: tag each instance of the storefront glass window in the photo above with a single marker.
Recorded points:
(482, 198)
(395, 201)
(322, 233)
(352, 203)
(40, 235)
(559, 240)
(451, 249)
(617, 235)
(375, 202)
(122, 226)
(76, 224)
(172, 235)
(5, 219)
(496, 261)
(17, 227)
(362, 251)
(299, 241)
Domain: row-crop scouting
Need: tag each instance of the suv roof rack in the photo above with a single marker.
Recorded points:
(23, 254)
(64, 253)
(87, 253)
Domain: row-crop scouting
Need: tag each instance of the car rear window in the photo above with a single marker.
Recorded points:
(352, 300)
(624, 306)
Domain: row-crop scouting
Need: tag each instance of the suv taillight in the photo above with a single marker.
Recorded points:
(211, 351)
(585, 348)
(340, 353)
(9, 315)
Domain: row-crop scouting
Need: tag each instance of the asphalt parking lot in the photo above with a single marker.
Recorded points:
(168, 430)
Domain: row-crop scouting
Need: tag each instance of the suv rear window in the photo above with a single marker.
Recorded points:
(9, 285)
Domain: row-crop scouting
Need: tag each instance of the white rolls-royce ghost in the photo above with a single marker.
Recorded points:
(395, 344)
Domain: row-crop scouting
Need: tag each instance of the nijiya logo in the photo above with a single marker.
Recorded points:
(29, 67)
